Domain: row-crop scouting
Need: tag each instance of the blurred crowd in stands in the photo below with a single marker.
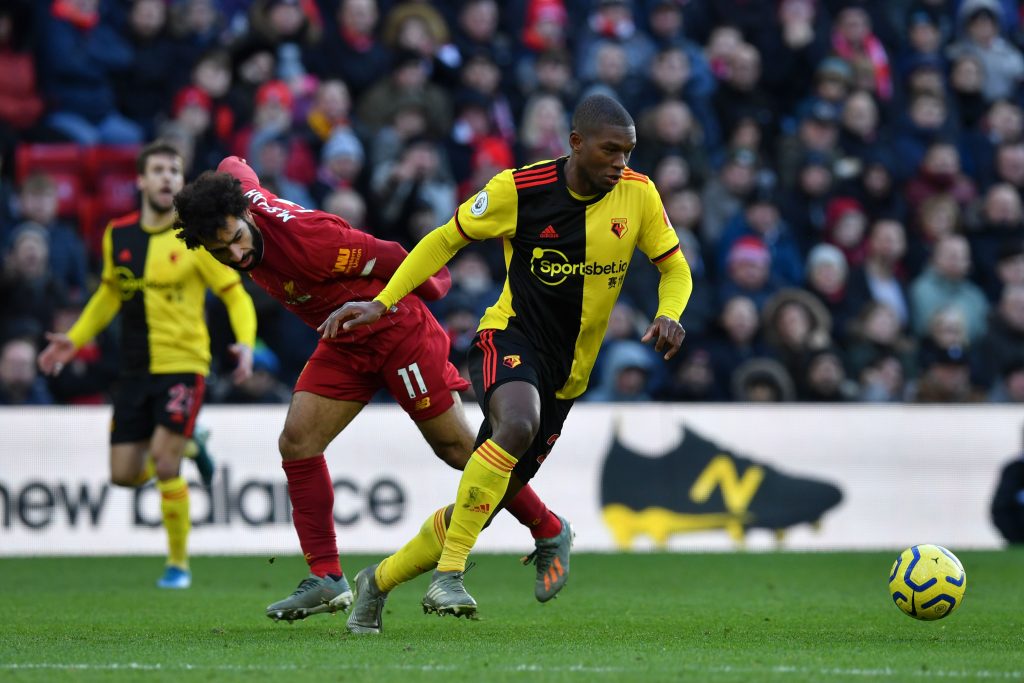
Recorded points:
(845, 177)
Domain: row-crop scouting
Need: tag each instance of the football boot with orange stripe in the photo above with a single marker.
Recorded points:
(551, 557)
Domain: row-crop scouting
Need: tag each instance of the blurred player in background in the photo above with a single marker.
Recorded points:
(159, 288)
(569, 229)
(314, 262)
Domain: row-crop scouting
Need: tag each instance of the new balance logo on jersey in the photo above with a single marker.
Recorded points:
(549, 233)
(485, 508)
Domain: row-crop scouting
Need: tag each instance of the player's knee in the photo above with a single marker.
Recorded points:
(516, 434)
(126, 479)
(167, 467)
(292, 445)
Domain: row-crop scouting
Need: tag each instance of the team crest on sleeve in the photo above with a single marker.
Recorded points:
(619, 227)
(479, 204)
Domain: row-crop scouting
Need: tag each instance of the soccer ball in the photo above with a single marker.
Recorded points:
(927, 582)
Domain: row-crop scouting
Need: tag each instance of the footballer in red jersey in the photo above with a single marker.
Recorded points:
(314, 262)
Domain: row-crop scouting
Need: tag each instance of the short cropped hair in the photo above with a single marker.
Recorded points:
(204, 204)
(152, 149)
(599, 110)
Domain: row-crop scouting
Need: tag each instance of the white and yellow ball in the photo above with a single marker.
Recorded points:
(927, 582)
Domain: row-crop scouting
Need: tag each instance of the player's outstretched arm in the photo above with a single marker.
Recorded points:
(390, 256)
(668, 335)
(57, 353)
(243, 362)
(352, 314)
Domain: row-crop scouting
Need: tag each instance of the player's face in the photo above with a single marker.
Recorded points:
(162, 178)
(601, 155)
(239, 243)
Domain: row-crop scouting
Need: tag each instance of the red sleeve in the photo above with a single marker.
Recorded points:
(241, 170)
(391, 254)
(343, 250)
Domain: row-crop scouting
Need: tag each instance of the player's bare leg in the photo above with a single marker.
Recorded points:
(128, 464)
(312, 423)
(450, 435)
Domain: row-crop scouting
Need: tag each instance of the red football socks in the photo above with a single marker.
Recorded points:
(312, 495)
(532, 513)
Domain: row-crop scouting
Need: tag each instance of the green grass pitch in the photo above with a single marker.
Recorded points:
(647, 617)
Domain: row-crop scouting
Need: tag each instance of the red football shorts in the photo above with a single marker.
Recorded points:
(410, 359)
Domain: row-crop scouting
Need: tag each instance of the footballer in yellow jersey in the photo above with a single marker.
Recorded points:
(159, 288)
(569, 228)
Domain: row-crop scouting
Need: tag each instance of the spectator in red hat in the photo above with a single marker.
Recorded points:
(748, 272)
(761, 218)
(846, 227)
(545, 25)
(212, 74)
(273, 118)
(193, 111)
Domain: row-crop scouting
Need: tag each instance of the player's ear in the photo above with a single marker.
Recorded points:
(575, 141)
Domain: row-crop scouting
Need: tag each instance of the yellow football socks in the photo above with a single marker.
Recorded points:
(481, 488)
(174, 506)
(414, 558)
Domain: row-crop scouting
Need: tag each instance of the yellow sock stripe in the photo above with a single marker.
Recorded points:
(484, 461)
(497, 461)
(439, 528)
(493, 447)
(172, 486)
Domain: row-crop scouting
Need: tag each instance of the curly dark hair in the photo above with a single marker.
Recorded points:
(203, 205)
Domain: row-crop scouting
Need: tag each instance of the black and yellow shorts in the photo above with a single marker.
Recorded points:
(142, 402)
(499, 356)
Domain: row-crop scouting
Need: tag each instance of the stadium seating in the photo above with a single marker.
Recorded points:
(63, 162)
(94, 184)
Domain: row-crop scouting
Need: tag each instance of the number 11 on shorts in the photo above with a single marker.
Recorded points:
(413, 370)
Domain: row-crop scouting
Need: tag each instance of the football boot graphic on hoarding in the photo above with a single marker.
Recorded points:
(700, 486)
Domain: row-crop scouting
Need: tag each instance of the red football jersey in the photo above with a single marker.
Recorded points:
(314, 262)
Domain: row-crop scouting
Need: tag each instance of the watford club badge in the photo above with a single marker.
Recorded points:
(512, 361)
(699, 486)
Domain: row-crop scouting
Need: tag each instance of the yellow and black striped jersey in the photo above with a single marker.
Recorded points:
(159, 286)
(566, 257)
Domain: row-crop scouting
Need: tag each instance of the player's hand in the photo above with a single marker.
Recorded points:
(668, 333)
(353, 314)
(57, 353)
(243, 358)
